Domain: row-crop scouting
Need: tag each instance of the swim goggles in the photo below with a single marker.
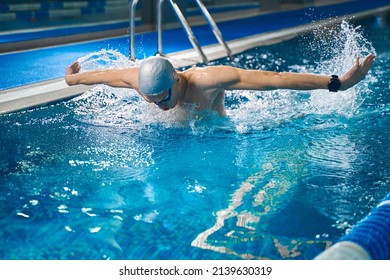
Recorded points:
(166, 98)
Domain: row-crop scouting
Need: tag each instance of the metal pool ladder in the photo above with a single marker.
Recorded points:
(184, 23)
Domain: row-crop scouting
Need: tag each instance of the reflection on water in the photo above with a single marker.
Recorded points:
(262, 194)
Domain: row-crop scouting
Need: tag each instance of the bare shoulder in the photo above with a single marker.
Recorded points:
(209, 76)
(129, 76)
(196, 70)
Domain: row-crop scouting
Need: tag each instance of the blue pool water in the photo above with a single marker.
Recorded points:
(108, 176)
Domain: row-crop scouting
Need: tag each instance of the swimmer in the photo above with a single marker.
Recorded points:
(156, 80)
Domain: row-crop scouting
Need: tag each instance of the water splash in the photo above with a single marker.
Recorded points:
(338, 56)
(105, 59)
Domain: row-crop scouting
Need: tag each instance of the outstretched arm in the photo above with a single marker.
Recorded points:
(234, 78)
(127, 77)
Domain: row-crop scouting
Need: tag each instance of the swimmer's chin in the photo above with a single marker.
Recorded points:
(165, 108)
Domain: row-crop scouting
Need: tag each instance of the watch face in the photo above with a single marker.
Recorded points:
(334, 84)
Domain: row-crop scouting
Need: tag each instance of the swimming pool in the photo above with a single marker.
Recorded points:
(108, 176)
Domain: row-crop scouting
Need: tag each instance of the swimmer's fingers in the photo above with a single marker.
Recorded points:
(357, 61)
(73, 68)
(76, 66)
(369, 59)
(367, 62)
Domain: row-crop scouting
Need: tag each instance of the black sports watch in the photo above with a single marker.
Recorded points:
(334, 83)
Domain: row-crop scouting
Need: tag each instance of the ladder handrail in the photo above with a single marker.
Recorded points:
(184, 23)
(214, 27)
(132, 6)
(159, 26)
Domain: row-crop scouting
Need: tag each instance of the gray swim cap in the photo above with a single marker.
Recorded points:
(156, 75)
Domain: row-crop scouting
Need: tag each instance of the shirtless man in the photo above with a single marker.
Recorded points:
(158, 82)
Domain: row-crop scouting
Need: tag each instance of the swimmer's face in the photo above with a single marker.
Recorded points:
(162, 100)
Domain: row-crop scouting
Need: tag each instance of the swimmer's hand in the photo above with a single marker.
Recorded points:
(357, 72)
(73, 68)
